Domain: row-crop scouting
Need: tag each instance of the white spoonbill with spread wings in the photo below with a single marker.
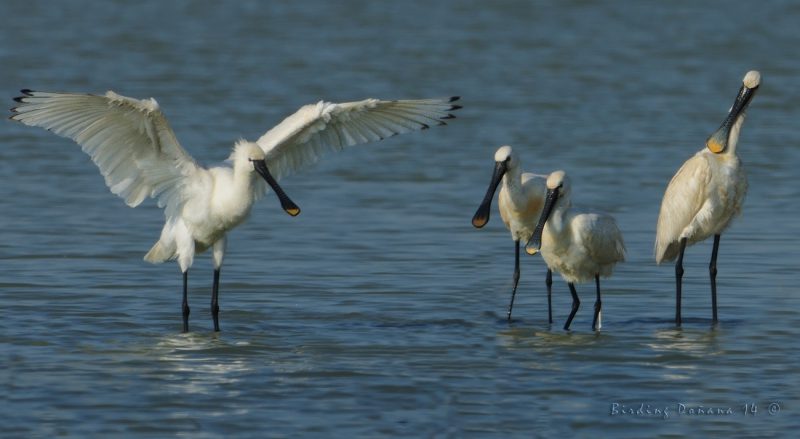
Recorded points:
(580, 246)
(135, 149)
(520, 203)
(705, 195)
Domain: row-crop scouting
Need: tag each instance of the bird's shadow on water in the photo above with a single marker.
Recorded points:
(193, 341)
(522, 330)
(539, 324)
(274, 339)
(676, 353)
(249, 339)
(687, 323)
(611, 324)
(648, 330)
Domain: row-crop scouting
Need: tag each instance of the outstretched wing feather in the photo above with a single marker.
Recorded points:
(129, 140)
(303, 137)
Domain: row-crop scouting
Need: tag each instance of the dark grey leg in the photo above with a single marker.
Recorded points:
(215, 300)
(598, 305)
(678, 278)
(712, 271)
(549, 282)
(516, 278)
(576, 303)
(185, 304)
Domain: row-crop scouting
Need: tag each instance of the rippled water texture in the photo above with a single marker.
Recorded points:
(380, 310)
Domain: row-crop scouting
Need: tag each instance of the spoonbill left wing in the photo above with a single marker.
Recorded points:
(303, 137)
(130, 141)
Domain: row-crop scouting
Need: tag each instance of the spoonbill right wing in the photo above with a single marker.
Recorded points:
(683, 200)
(300, 139)
(605, 243)
(128, 139)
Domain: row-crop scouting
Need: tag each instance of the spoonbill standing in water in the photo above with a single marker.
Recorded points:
(520, 204)
(135, 149)
(580, 246)
(705, 194)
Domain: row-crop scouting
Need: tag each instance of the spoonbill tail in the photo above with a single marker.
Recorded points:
(580, 246)
(135, 149)
(705, 194)
(520, 204)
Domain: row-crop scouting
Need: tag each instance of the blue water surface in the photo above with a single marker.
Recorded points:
(380, 310)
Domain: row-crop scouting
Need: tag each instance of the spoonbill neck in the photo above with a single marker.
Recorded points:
(512, 181)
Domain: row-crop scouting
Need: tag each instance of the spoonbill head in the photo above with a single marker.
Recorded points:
(580, 246)
(248, 157)
(504, 159)
(137, 152)
(519, 202)
(705, 195)
(557, 199)
(727, 135)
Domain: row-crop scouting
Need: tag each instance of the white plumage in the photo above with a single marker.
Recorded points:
(701, 200)
(705, 195)
(520, 204)
(327, 126)
(579, 246)
(137, 152)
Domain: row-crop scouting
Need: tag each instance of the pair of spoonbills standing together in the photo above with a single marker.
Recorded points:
(137, 152)
(700, 201)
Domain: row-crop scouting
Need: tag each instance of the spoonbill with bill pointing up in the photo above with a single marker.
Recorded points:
(705, 195)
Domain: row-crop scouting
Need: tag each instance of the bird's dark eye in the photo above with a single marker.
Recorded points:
(508, 159)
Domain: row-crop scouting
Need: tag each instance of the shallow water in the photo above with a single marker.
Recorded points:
(380, 311)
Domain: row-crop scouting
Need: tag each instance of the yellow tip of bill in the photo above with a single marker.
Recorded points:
(479, 222)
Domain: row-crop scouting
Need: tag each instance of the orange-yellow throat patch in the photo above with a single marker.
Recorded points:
(714, 145)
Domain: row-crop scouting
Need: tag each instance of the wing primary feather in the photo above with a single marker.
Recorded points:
(129, 140)
(365, 130)
(301, 138)
(398, 118)
(415, 114)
